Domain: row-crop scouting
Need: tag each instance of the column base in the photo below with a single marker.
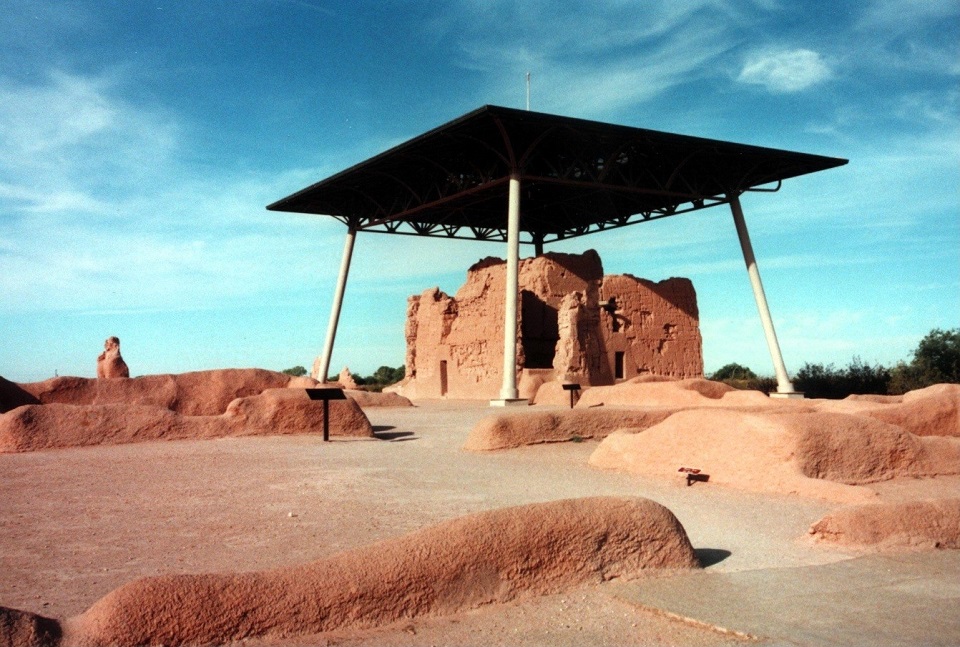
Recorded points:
(788, 395)
(510, 402)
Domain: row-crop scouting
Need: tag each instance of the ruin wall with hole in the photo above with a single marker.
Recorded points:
(575, 325)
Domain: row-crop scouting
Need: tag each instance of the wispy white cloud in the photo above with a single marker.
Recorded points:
(200, 244)
(785, 71)
(594, 60)
(932, 109)
(40, 199)
(593, 89)
(908, 35)
(99, 210)
(903, 15)
(65, 142)
(65, 112)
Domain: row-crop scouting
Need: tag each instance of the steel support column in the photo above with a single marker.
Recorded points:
(337, 304)
(784, 385)
(538, 244)
(508, 391)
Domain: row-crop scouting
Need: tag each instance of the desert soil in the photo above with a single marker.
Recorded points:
(77, 523)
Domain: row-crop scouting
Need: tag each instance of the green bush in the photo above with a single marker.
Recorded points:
(766, 385)
(386, 375)
(935, 361)
(819, 381)
(383, 376)
(733, 371)
(763, 384)
(296, 371)
(741, 377)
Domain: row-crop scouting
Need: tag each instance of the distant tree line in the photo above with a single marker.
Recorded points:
(936, 360)
(383, 376)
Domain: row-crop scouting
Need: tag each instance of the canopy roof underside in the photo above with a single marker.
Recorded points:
(577, 177)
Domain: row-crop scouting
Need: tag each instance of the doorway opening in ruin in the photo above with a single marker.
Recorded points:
(618, 359)
(538, 331)
(443, 377)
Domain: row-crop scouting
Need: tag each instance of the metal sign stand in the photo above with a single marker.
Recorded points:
(326, 394)
(572, 388)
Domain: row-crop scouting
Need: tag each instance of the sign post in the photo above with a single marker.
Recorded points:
(326, 394)
(572, 388)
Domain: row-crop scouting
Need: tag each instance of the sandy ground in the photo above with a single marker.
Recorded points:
(76, 523)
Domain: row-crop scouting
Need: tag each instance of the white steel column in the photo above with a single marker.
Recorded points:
(337, 303)
(508, 392)
(784, 385)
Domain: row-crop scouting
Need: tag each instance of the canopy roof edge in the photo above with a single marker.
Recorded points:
(577, 177)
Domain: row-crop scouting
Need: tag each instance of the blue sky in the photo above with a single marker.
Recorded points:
(141, 141)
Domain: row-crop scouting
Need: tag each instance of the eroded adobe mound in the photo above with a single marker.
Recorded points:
(809, 453)
(12, 395)
(25, 629)
(484, 558)
(47, 426)
(636, 404)
(291, 411)
(661, 392)
(273, 412)
(856, 450)
(933, 411)
(912, 524)
(503, 431)
(373, 399)
(197, 393)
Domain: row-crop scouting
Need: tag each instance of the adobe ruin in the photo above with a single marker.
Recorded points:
(109, 363)
(575, 325)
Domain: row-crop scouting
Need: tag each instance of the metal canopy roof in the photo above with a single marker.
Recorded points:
(577, 177)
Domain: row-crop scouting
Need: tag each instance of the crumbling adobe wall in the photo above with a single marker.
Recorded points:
(455, 344)
(655, 325)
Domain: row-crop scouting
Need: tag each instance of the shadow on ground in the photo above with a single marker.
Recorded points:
(710, 556)
(383, 432)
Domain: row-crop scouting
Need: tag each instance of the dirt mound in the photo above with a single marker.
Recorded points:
(12, 395)
(47, 426)
(547, 393)
(503, 431)
(151, 390)
(485, 558)
(870, 397)
(808, 453)
(207, 393)
(858, 449)
(371, 399)
(933, 411)
(274, 412)
(291, 411)
(24, 629)
(198, 393)
(645, 392)
(912, 524)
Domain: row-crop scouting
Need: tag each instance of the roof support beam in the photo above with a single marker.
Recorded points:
(324, 368)
(784, 385)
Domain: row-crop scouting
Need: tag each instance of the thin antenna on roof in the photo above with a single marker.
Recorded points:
(528, 91)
